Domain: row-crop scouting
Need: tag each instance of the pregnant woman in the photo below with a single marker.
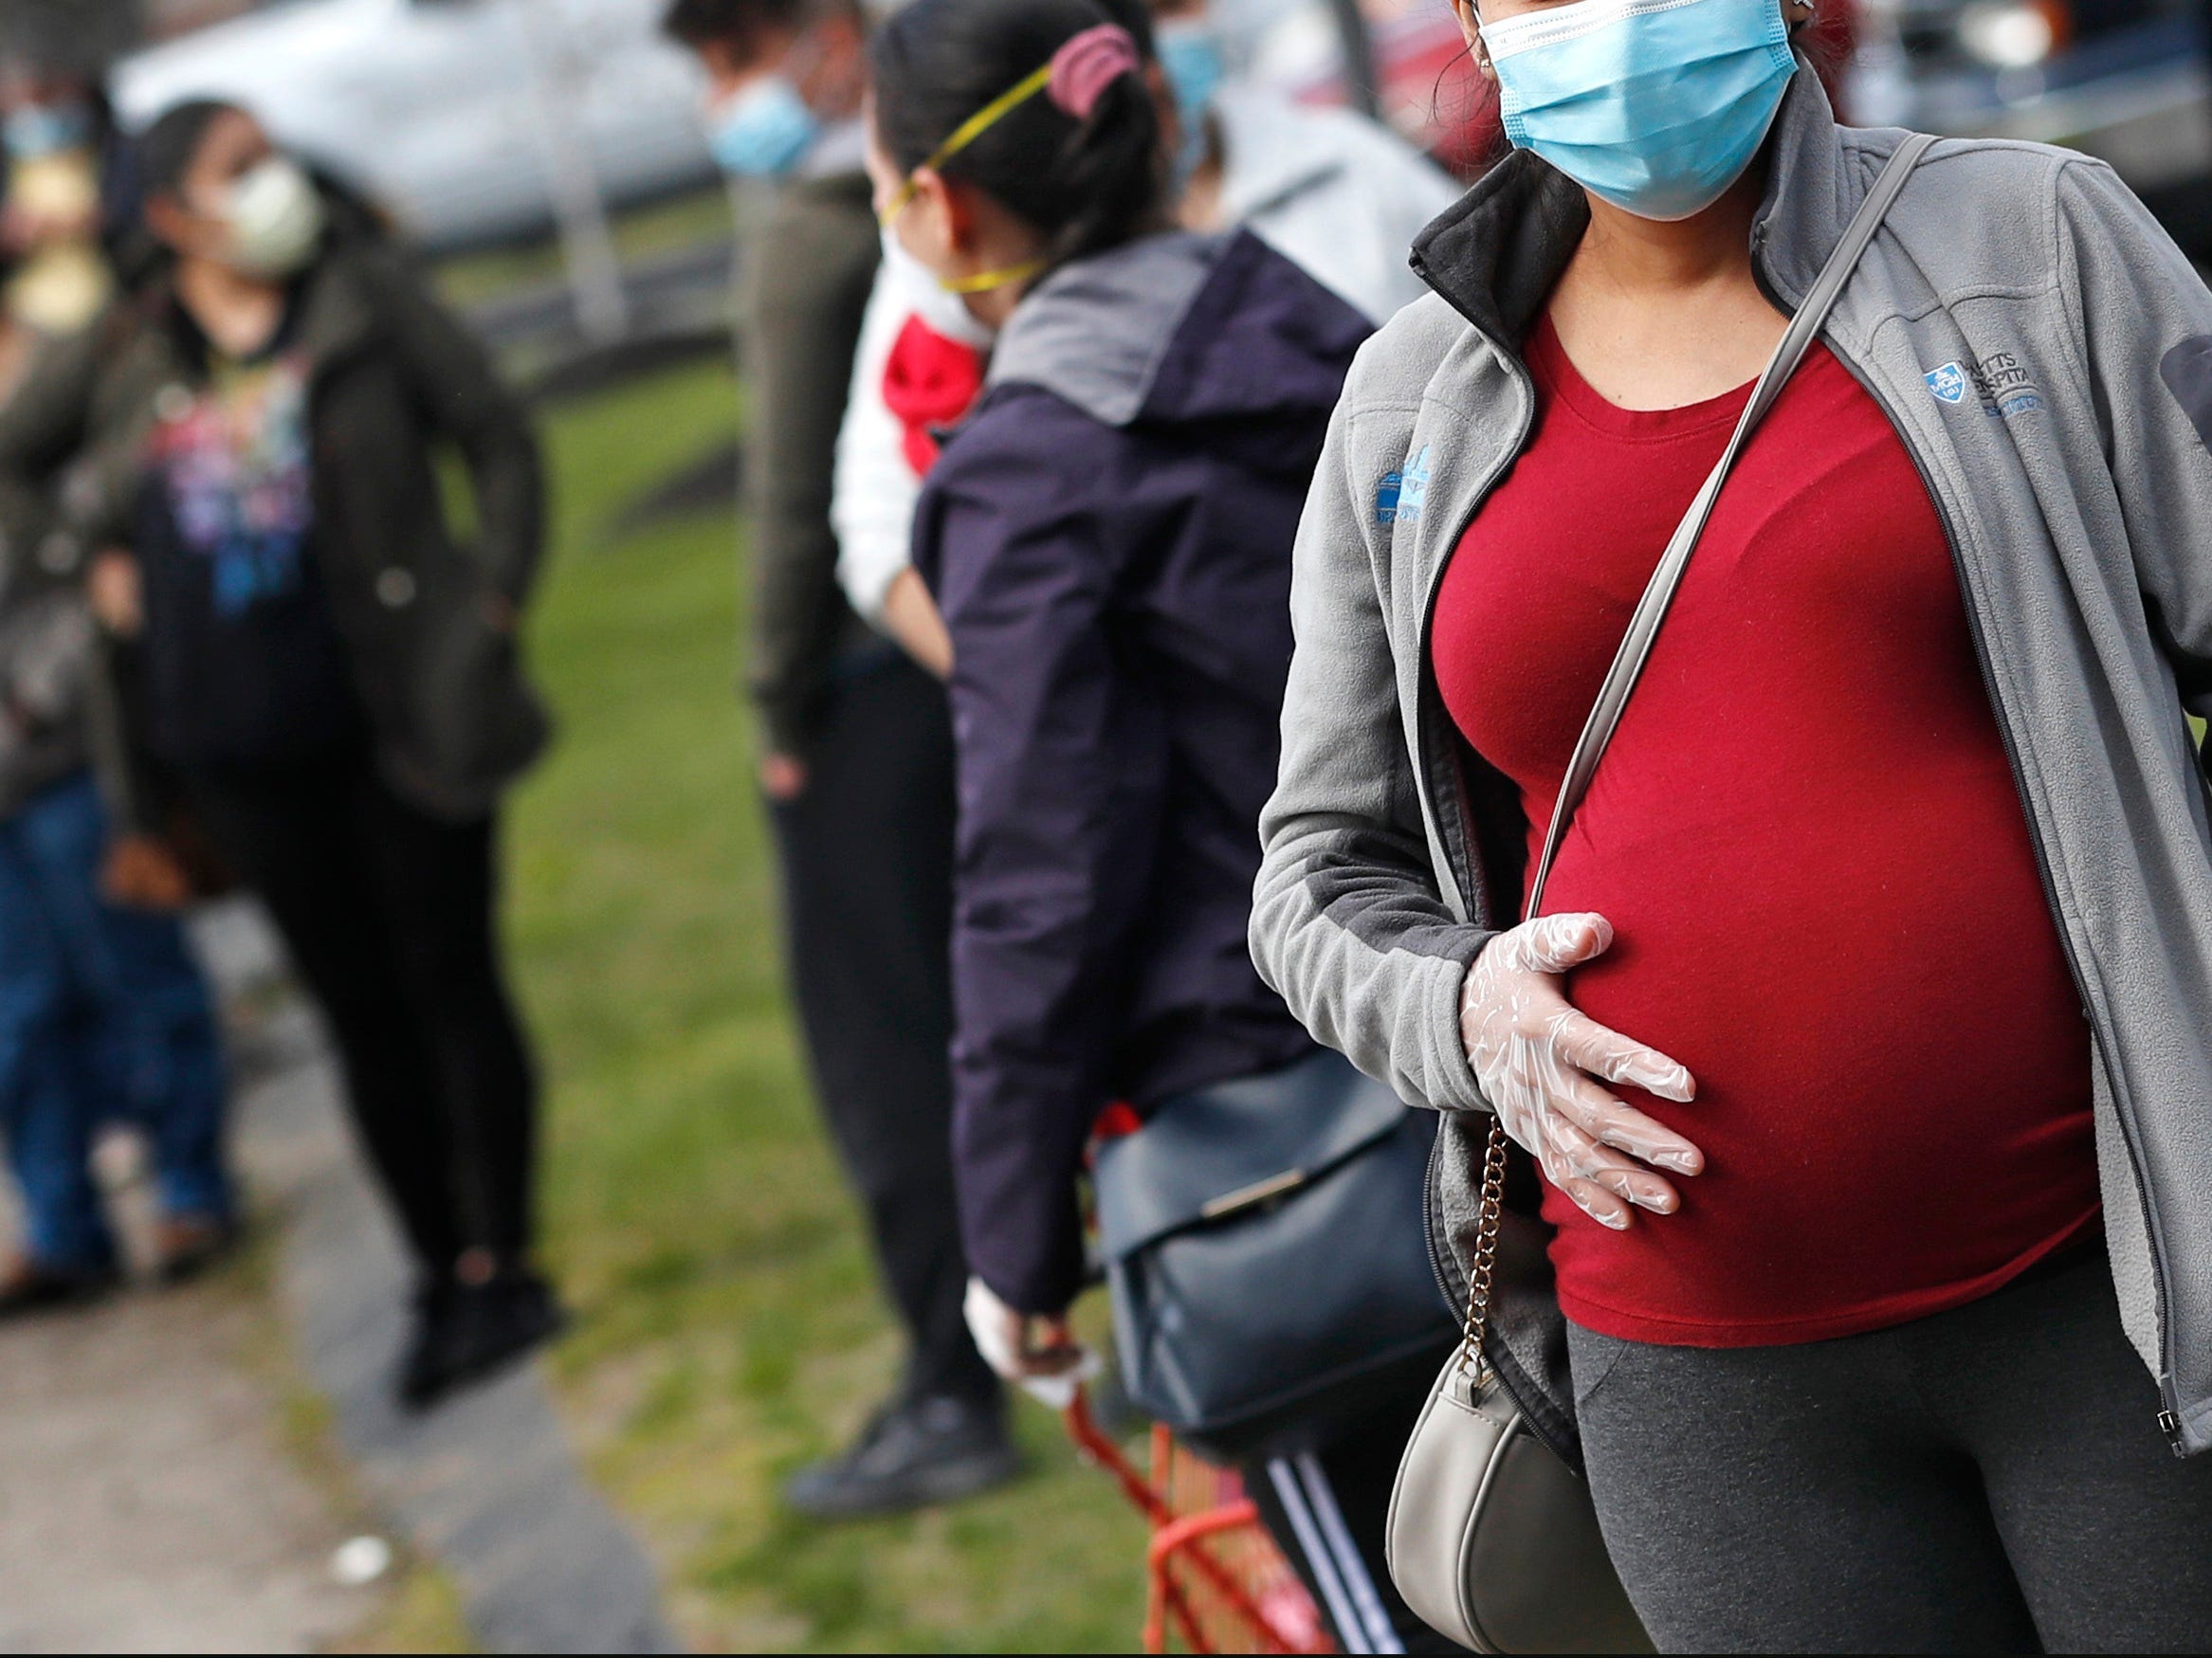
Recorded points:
(1865, 1048)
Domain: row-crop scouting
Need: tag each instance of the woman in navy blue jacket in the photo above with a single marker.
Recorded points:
(1108, 537)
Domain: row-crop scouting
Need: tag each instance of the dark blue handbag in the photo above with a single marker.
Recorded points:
(1265, 1246)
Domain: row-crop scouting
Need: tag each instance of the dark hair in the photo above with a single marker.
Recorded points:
(1822, 41)
(1135, 16)
(172, 144)
(705, 23)
(1086, 185)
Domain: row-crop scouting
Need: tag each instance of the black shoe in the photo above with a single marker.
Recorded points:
(912, 1454)
(29, 1285)
(466, 1333)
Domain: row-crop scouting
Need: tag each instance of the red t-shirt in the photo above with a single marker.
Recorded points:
(1809, 843)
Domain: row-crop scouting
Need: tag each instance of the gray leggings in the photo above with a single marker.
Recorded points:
(1991, 1479)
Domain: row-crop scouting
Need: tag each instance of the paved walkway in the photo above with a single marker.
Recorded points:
(486, 1485)
(145, 1505)
(146, 1502)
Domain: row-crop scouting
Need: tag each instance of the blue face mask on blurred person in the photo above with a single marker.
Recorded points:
(1655, 106)
(1190, 53)
(48, 129)
(765, 131)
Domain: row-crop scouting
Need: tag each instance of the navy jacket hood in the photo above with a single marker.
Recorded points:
(1110, 538)
(1181, 329)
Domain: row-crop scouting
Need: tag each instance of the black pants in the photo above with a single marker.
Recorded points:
(1987, 1479)
(866, 855)
(1328, 1512)
(388, 916)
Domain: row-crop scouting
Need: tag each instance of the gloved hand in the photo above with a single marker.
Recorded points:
(1036, 1354)
(1539, 1061)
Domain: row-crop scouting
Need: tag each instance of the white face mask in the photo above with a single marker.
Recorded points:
(943, 312)
(275, 220)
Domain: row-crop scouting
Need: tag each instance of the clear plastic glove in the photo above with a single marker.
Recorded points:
(1541, 1064)
(1036, 1354)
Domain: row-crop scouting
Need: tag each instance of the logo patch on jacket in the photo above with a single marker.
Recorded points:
(2187, 372)
(1402, 493)
(2000, 383)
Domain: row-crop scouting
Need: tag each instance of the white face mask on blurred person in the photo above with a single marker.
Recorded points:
(942, 311)
(274, 218)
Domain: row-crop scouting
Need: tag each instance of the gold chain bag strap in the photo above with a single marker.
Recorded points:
(1493, 1539)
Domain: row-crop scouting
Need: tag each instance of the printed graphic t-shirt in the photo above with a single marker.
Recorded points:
(246, 667)
(1807, 837)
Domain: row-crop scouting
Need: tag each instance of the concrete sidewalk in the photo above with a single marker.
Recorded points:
(147, 1502)
(486, 1484)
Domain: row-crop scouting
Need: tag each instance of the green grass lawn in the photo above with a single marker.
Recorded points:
(729, 1325)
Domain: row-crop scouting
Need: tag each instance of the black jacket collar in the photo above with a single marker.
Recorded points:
(330, 314)
(1496, 252)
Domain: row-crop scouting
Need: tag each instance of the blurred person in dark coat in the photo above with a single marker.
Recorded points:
(69, 217)
(104, 1012)
(857, 742)
(330, 667)
(1108, 539)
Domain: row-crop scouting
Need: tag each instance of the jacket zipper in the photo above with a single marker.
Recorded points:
(1451, 1297)
(1443, 1261)
(2169, 1416)
(1425, 710)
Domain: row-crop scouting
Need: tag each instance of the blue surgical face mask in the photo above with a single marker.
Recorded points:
(48, 129)
(1190, 53)
(1655, 106)
(764, 131)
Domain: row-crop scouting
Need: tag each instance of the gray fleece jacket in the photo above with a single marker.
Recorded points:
(2045, 354)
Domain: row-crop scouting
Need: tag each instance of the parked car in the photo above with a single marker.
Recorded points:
(450, 114)
(2121, 78)
(1424, 83)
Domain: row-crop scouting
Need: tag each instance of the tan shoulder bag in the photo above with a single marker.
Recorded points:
(1493, 1539)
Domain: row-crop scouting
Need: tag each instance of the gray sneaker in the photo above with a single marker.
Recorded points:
(914, 1454)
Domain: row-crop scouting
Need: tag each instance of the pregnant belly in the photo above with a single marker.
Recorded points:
(1892, 1066)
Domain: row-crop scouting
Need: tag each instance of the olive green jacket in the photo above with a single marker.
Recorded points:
(391, 378)
(809, 268)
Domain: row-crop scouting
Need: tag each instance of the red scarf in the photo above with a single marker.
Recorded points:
(930, 383)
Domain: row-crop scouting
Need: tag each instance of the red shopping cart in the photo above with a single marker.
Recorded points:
(1215, 1581)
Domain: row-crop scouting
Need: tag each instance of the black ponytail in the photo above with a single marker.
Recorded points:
(1086, 186)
